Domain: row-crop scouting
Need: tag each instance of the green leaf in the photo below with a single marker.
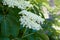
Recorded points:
(4, 38)
(43, 36)
(5, 27)
(14, 28)
(1, 18)
(13, 19)
(10, 23)
(0, 1)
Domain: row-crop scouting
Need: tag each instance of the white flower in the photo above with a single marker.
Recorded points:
(32, 16)
(46, 12)
(25, 21)
(10, 3)
(56, 27)
(31, 20)
(21, 4)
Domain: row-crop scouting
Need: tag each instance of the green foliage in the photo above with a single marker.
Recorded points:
(10, 28)
(9, 21)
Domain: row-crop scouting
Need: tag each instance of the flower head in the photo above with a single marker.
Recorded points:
(31, 20)
(21, 4)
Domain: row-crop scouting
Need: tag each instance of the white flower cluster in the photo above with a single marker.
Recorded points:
(56, 27)
(21, 4)
(46, 12)
(31, 20)
(27, 19)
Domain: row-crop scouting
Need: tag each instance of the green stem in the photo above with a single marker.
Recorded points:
(27, 35)
(24, 32)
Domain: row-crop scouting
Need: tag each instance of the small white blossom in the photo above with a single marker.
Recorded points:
(33, 25)
(46, 12)
(56, 27)
(21, 4)
(31, 20)
(10, 3)
(32, 16)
